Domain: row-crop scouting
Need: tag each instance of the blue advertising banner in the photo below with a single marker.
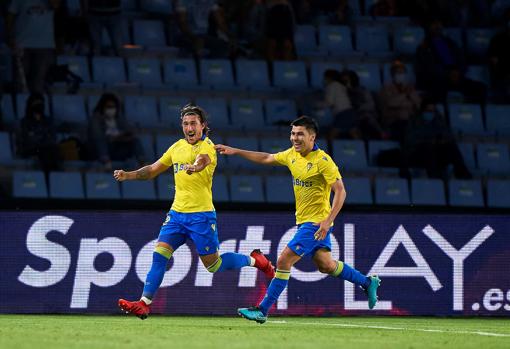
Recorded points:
(83, 261)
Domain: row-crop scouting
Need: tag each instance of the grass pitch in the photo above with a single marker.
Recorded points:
(53, 332)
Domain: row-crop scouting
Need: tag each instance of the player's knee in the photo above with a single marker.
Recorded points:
(283, 264)
(326, 267)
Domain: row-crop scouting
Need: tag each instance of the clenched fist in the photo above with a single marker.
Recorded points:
(120, 175)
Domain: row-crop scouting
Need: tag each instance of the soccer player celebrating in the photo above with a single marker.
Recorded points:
(314, 175)
(192, 214)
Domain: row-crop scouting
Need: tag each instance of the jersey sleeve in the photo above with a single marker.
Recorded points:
(166, 158)
(282, 157)
(328, 169)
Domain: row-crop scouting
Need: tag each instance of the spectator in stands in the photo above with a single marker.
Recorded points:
(398, 100)
(110, 134)
(334, 12)
(385, 8)
(434, 57)
(31, 38)
(472, 91)
(466, 13)
(106, 15)
(38, 137)
(280, 27)
(499, 60)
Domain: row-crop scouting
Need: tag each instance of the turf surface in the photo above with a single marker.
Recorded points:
(53, 331)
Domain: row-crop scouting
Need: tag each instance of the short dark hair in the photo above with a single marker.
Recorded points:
(309, 123)
(192, 109)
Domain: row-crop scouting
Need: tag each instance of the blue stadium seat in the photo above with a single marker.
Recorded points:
(101, 186)
(336, 39)
(465, 193)
(498, 193)
(145, 71)
(498, 119)
(5, 145)
(317, 70)
(372, 38)
(359, 191)
(149, 33)
(349, 155)
(466, 118)
(468, 154)
(77, 64)
(157, 6)
(125, 35)
(280, 110)
(455, 34)
(252, 74)
(478, 41)
(478, 73)
(142, 110)
(21, 101)
(369, 75)
(375, 147)
(289, 75)
(108, 70)
(148, 146)
(216, 109)
(170, 108)
(248, 143)
(279, 190)
(387, 72)
(138, 190)
(216, 73)
(493, 158)
(407, 39)
(69, 108)
(391, 191)
(7, 109)
(246, 189)
(274, 145)
(166, 186)
(428, 192)
(220, 189)
(66, 185)
(163, 142)
(247, 113)
(181, 73)
(29, 184)
(305, 40)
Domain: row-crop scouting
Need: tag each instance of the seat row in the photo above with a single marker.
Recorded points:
(270, 189)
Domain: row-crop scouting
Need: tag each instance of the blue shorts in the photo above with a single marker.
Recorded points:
(304, 244)
(198, 226)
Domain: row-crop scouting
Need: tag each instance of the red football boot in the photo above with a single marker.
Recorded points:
(262, 263)
(138, 308)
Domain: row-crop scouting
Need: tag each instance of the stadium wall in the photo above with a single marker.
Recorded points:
(83, 261)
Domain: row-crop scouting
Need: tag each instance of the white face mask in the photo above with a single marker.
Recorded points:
(110, 112)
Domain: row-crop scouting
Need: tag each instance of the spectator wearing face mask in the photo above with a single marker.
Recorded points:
(112, 138)
(398, 100)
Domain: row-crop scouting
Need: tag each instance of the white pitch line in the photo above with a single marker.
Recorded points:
(391, 328)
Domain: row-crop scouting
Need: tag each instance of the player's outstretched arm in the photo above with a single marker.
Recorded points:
(255, 156)
(144, 173)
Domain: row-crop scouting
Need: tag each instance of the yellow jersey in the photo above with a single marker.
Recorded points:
(193, 193)
(312, 177)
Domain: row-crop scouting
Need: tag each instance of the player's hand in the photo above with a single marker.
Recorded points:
(120, 175)
(321, 233)
(190, 169)
(224, 149)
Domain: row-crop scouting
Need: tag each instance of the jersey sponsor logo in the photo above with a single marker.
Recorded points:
(299, 183)
(178, 167)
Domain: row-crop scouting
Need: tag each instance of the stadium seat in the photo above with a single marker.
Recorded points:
(290, 75)
(76, 64)
(69, 108)
(280, 112)
(247, 113)
(349, 155)
(142, 110)
(498, 193)
(455, 34)
(149, 33)
(101, 186)
(163, 142)
(21, 102)
(148, 146)
(279, 190)
(217, 111)
(246, 189)
(145, 71)
(66, 185)
(478, 40)
(372, 38)
(478, 73)
(465, 193)
(5, 145)
(248, 143)
(29, 184)
(166, 186)
(169, 109)
(498, 119)
(468, 154)
(369, 75)
(375, 147)
(7, 110)
(466, 118)
(335, 39)
(138, 190)
(430, 192)
(305, 40)
(181, 73)
(164, 7)
(274, 145)
(216, 73)
(359, 191)
(317, 70)
(391, 191)
(407, 39)
(493, 158)
(108, 70)
(220, 189)
(252, 74)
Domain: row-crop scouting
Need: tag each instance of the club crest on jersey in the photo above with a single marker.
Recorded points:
(309, 166)
(293, 161)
